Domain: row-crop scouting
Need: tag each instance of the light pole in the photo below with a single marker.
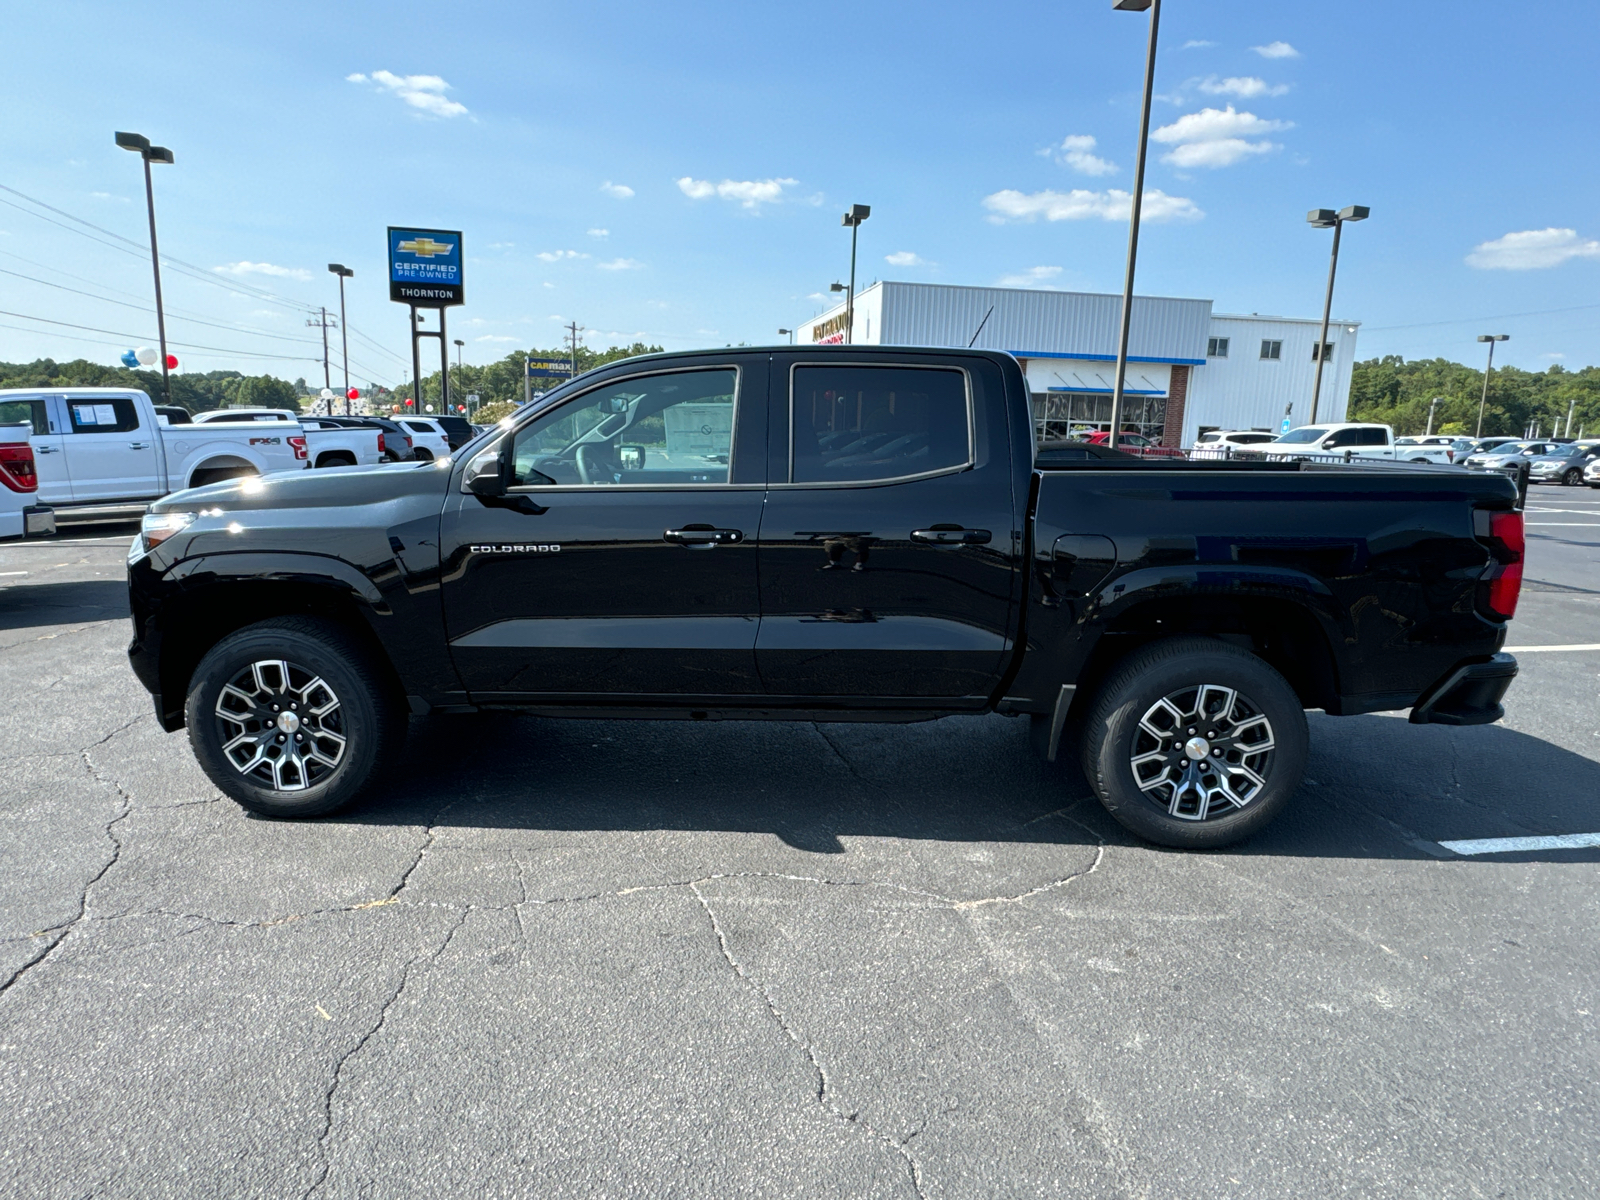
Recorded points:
(857, 214)
(343, 273)
(1154, 6)
(790, 334)
(1491, 338)
(1432, 406)
(1326, 218)
(444, 403)
(152, 154)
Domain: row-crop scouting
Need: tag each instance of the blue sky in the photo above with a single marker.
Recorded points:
(676, 173)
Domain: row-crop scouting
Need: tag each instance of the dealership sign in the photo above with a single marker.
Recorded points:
(425, 267)
(549, 368)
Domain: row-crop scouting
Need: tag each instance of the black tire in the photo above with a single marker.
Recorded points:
(325, 773)
(218, 474)
(336, 458)
(1573, 477)
(1112, 735)
(422, 455)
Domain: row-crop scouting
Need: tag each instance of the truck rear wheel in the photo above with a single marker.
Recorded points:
(289, 718)
(1194, 743)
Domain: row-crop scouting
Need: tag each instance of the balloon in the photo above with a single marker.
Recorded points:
(130, 359)
(430, 408)
(326, 393)
(146, 355)
(172, 362)
(353, 394)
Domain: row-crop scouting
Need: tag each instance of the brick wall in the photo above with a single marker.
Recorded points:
(1177, 394)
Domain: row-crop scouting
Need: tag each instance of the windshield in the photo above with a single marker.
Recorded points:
(1299, 437)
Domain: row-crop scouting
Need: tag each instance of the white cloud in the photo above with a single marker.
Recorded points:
(559, 255)
(1242, 86)
(1197, 44)
(1216, 137)
(1075, 152)
(1276, 50)
(620, 264)
(494, 337)
(548, 284)
(617, 191)
(502, 245)
(262, 268)
(109, 196)
(1532, 250)
(748, 192)
(425, 93)
(599, 233)
(1082, 205)
(1032, 277)
(905, 258)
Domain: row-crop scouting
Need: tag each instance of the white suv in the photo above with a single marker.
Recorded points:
(428, 436)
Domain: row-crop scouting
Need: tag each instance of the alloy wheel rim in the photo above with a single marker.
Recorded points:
(1203, 752)
(280, 725)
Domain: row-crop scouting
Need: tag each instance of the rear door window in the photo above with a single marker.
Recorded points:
(862, 424)
(114, 414)
(1372, 437)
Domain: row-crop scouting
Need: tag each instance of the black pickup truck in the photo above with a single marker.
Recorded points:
(825, 534)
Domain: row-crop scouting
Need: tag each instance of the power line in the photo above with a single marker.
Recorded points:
(145, 337)
(1543, 312)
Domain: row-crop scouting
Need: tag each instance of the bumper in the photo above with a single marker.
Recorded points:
(1468, 695)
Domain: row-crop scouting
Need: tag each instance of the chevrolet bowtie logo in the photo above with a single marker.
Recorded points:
(426, 247)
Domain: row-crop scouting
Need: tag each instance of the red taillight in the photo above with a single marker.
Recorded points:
(299, 444)
(1450, 454)
(1503, 579)
(382, 449)
(16, 468)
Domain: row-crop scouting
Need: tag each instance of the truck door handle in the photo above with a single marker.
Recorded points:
(44, 449)
(951, 535)
(138, 445)
(703, 537)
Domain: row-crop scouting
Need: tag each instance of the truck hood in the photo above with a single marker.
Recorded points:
(329, 487)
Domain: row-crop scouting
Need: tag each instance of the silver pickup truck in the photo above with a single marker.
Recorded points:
(103, 453)
(328, 444)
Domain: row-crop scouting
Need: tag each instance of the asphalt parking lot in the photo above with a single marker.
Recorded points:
(616, 959)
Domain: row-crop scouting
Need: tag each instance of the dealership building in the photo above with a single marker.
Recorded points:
(1189, 369)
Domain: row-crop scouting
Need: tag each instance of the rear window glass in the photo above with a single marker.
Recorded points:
(859, 424)
(115, 414)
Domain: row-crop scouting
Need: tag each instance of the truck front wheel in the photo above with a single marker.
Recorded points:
(1194, 743)
(289, 718)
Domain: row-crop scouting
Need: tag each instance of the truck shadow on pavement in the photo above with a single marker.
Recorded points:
(30, 605)
(1376, 787)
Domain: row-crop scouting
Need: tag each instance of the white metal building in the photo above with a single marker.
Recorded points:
(1188, 369)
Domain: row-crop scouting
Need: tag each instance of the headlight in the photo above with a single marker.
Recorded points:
(158, 527)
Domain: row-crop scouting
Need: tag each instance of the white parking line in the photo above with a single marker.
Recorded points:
(13, 572)
(1582, 524)
(1564, 841)
(1539, 649)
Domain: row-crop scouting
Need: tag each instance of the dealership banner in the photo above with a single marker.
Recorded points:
(425, 267)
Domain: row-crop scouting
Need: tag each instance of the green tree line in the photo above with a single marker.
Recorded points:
(1392, 391)
(192, 390)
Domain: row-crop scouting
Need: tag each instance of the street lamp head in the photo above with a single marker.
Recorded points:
(1322, 218)
(158, 154)
(1130, 5)
(458, 341)
(1354, 212)
(133, 141)
(836, 287)
(341, 270)
(785, 332)
(857, 214)
(1494, 337)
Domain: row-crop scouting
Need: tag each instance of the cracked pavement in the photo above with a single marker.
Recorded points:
(631, 959)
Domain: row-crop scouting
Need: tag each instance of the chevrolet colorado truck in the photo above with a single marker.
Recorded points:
(826, 534)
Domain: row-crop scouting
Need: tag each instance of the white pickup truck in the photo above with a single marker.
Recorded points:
(328, 444)
(1351, 440)
(20, 517)
(102, 453)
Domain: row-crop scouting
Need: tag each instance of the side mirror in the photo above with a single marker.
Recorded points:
(631, 457)
(483, 475)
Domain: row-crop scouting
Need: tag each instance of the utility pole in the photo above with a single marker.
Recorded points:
(574, 329)
(322, 323)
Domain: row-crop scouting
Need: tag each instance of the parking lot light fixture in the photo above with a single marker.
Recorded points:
(857, 214)
(1326, 218)
(141, 146)
(1491, 338)
(343, 273)
(787, 333)
(1154, 7)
